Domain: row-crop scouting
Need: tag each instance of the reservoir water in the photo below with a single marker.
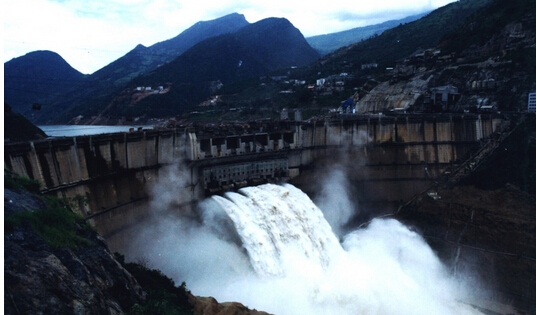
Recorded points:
(82, 130)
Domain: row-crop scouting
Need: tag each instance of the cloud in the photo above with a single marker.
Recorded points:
(91, 34)
(87, 34)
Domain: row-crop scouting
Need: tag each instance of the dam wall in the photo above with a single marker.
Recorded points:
(109, 176)
(105, 175)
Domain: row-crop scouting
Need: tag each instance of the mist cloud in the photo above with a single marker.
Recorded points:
(334, 201)
(384, 268)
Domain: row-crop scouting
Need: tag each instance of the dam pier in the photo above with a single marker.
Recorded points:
(109, 175)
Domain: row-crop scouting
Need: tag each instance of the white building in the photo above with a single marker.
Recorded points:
(531, 102)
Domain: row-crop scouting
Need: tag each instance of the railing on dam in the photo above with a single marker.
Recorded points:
(114, 169)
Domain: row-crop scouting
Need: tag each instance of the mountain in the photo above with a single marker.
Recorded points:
(483, 48)
(196, 33)
(144, 59)
(401, 41)
(44, 77)
(467, 30)
(488, 24)
(255, 50)
(38, 77)
(496, 49)
(18, 128)
(328, 43)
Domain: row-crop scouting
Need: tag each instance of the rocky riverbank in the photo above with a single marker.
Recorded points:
(485, 227)
(49, 270)
(42, 279)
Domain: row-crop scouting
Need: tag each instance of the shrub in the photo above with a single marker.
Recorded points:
(13, 181)
(163, 296)
(56, 223)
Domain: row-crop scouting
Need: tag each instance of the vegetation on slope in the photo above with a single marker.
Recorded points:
(13, 181)
(486, 23)
(328, 43)
(253, 51)
(163, 296)
(56, 223)
(401, 41)
(38, 77)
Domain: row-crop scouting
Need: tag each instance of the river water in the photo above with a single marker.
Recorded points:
(81, 130)
(271, 248)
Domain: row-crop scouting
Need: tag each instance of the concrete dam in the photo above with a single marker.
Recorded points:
(109, 176)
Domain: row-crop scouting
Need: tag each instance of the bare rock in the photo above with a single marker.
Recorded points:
(40, 279)
(210, 306)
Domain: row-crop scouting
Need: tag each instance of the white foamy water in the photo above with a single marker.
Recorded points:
(270, 248)
(279, 225)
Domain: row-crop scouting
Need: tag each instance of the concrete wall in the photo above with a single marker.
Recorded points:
(114, 170)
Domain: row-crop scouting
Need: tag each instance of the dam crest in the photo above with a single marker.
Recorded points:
(109, 175)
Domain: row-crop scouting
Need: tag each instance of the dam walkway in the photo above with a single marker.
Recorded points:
(395, 157)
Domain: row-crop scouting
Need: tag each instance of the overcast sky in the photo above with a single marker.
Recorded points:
(91, 34)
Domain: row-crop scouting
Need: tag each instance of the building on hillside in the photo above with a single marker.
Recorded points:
(284, 114)
(278, 77)
(333, 83)
(444, 96)
(531, 103)
(298, 115)
(320, 82)
(214, 86)
(369, 65)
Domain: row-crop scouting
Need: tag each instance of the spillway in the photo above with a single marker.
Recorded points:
(270, 248)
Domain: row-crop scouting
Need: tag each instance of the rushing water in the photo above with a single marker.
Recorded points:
(270, 248)
(275, 223)
(82, 130)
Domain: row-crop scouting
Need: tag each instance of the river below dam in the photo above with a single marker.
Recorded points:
(271, 248)
(313, 249)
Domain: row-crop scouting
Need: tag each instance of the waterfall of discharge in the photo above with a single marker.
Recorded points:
(301, 268)
(278, 226)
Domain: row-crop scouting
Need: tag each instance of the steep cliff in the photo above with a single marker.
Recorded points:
(40, 278)
(18, 128)
(484, 228)
(55, 263)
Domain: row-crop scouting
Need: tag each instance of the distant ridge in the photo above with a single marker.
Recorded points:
(402, 40)
(143, 59)
(328, 43)
(198, 32)
(255, 50)
(37, 77)
(66, 93)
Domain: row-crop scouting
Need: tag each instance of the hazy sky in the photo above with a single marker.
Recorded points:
(91, 34)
